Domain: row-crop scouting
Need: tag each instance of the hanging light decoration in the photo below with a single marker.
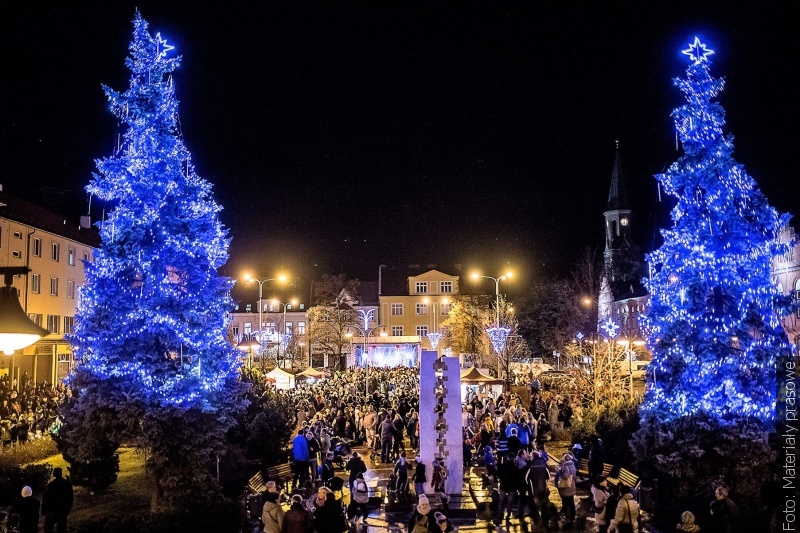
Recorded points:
(17, 331)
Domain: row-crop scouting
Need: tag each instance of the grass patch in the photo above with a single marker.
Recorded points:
(129, 495)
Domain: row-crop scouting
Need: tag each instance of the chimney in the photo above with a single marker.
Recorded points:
(86, 222)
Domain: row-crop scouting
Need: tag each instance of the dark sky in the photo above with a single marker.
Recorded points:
(343, 135)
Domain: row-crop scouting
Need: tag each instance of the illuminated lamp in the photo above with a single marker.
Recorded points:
(17, 331)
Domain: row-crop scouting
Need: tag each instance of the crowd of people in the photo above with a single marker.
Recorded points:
(28, 410)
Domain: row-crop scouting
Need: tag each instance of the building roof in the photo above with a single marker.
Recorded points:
(24, 212)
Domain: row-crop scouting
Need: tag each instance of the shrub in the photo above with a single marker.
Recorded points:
(691, 455)
(14, 477)
(30, 452)
(615, 422)
(220, 518)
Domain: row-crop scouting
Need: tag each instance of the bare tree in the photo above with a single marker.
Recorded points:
(331, 316)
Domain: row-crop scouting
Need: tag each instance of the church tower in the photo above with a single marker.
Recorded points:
(618, 225)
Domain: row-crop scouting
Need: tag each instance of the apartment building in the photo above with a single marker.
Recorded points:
(55, 250)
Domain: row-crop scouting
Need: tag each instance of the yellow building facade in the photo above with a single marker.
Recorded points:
(54, 249)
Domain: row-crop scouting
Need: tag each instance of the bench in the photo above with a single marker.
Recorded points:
(625, 477)
(583, 469)
(280, 474)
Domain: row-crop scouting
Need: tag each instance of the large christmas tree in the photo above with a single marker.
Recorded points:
(714, 323)
(153, 366)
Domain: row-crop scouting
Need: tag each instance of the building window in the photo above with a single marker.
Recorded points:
(86, 257)
(248, 328)
(36, 283)
(397, 331)
(446, 287)
(422, 287)
(63, 358)
(70, 288)
(235, 330)
(302, 306)
(289, 327)
(301, 328)
(53, 286)
(53, 322)
(55, 251)
(16, 254)
(422, 331)
(397, 309)
(71, 256)
(445, 308)
(36, 318)
(37, 247)
(69, 324)
(422, 309)
(17, 235)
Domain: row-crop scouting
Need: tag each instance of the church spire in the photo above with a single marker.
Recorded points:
(617, 195)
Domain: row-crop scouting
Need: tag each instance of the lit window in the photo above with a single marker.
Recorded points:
(248, 328)
(422, 309)
(289, 327)
(70, 288)
(71, 256)
(397, 309)
(36, 283)
(53, 286)
(446, 286)
(86, 257)
(69, 324)
(422, 287)
(36, 318)
(397, 331)
(422, 331)
(235, 330)
(446, 308)
(37, 247)
(301, 328)
(53, 323)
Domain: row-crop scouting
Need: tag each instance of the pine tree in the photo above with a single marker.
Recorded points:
(714, 323)
(154, 368)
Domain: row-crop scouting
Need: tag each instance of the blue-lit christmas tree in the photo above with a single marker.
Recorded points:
(714, 323)
(153, 366)
(715, 313)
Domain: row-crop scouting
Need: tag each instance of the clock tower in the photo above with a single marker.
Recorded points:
(618, 225)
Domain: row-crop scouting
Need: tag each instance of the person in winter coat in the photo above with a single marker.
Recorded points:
(330, 518)
(627, 512)
(597, 457)
(420, 477)
(600, 496)
(536, 479)
(489, 462)
(297, 519)
(422, 520)
(355, 466)
(28, 510)
(687, 524)
(565, 483)
(387, 435)
(724, 512)
(360, 499)
(272, 512)
(401, 471)
(57, 502)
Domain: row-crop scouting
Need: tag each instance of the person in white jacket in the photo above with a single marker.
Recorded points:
(626, 518)
(600, 496)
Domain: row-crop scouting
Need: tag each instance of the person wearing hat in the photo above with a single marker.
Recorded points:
(297, 519)
(272, 512)
(565, 483)
(360, 497)
(442, 523)
(28, 509)
(422, 521)
(57, 502)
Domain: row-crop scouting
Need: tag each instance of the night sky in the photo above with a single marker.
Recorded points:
(341, 138)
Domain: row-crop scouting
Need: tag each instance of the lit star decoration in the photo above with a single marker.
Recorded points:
(714, 322)
(498, 336)
(579, 336)
(610, 327)
(162, 47)
(697, 51)
(434, 338)
(153, 307)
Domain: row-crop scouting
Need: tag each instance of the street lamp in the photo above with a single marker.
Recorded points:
(283, 340)
(246, 345)
(627, 341)
(507, 275)
(367, 317)
(17, 331)
(250, 279)
(434, 336)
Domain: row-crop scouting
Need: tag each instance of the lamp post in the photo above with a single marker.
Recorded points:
(434, 336)
(366, 316)
(507, 275)
(283, 326)
(250, 279)
(624, 338)
(246, 345)
(17, 331)
(497, 335)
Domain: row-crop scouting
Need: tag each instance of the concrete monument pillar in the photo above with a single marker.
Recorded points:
(440, 431)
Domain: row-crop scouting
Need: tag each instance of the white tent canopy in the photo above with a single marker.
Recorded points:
(282, 378)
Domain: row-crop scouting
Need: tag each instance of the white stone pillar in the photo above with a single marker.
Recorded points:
(440, 432)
